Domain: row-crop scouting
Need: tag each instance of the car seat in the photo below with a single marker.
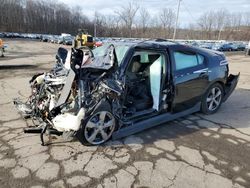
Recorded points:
(138, 89)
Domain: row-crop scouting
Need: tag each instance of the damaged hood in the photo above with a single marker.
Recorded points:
(102, 58)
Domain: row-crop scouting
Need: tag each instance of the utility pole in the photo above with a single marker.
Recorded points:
(95, 24)
(95, 30)
(177, 17)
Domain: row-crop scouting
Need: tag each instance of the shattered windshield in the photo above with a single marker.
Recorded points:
(120, 50)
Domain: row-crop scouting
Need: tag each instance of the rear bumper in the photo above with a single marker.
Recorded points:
(230, 85)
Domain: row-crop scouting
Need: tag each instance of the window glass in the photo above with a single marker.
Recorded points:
(200, 59)
(100, 51)
(187, 60)
(120, 52)
(144, 57)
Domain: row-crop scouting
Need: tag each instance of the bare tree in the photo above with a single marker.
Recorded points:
(100, 22)
(167, 18)
(127, 15)
(206, 23)
(113, 26)
(40, 16)
(246, 18)
(220, 19)
(144, 20)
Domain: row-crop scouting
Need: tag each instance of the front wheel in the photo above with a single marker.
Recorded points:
(98, 128)
(212, 99)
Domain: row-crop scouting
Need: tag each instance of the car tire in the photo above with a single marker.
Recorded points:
(99, 127)
(212, 99)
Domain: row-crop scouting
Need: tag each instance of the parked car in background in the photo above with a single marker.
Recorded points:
(60, 40)
(234, 46)
(217, 47)
(206, 45)
(68, 40)
(240, 46)
(98, 42)
(45, 38)
(196, 44)
(247, 50)
(224, 47)
(54, 39)
(13, 35)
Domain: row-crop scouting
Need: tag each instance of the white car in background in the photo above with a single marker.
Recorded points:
(248, 49)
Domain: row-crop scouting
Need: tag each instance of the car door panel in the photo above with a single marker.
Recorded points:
(190, 83)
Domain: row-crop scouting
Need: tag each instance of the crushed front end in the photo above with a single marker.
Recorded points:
(63, 98)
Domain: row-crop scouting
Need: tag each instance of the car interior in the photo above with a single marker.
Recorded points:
(143, 78)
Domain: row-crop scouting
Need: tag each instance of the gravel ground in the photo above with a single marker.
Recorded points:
(195, 151)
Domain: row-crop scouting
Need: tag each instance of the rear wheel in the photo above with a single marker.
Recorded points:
(99, 127)
(212, 99)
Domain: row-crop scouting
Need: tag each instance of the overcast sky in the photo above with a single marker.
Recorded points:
(189, 11)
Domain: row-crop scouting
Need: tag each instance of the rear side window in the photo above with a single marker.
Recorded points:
(184, 60)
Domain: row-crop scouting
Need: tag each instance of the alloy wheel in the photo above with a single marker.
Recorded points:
(214, 98)
(99, 127)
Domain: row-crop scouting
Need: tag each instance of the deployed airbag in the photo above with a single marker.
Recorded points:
(155, 81)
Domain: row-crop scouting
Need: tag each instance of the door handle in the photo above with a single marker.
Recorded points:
(201, 71)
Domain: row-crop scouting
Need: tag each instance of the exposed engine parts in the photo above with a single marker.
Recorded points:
(62, 98)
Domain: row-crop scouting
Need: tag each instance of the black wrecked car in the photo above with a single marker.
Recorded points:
(123, 88)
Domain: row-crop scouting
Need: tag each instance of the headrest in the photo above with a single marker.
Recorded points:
(136, 58)
(152, 58)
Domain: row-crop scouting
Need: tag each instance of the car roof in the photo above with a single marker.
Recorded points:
(159, 42)
(164, 44)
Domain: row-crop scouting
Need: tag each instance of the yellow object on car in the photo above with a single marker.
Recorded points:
(1, 43)
(83, 39)
(1, 48)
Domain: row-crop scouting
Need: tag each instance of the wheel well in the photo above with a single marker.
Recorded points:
(216, 82)
(222, 84)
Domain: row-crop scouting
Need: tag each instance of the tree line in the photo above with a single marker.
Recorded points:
(130, 20)
(40, 16)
